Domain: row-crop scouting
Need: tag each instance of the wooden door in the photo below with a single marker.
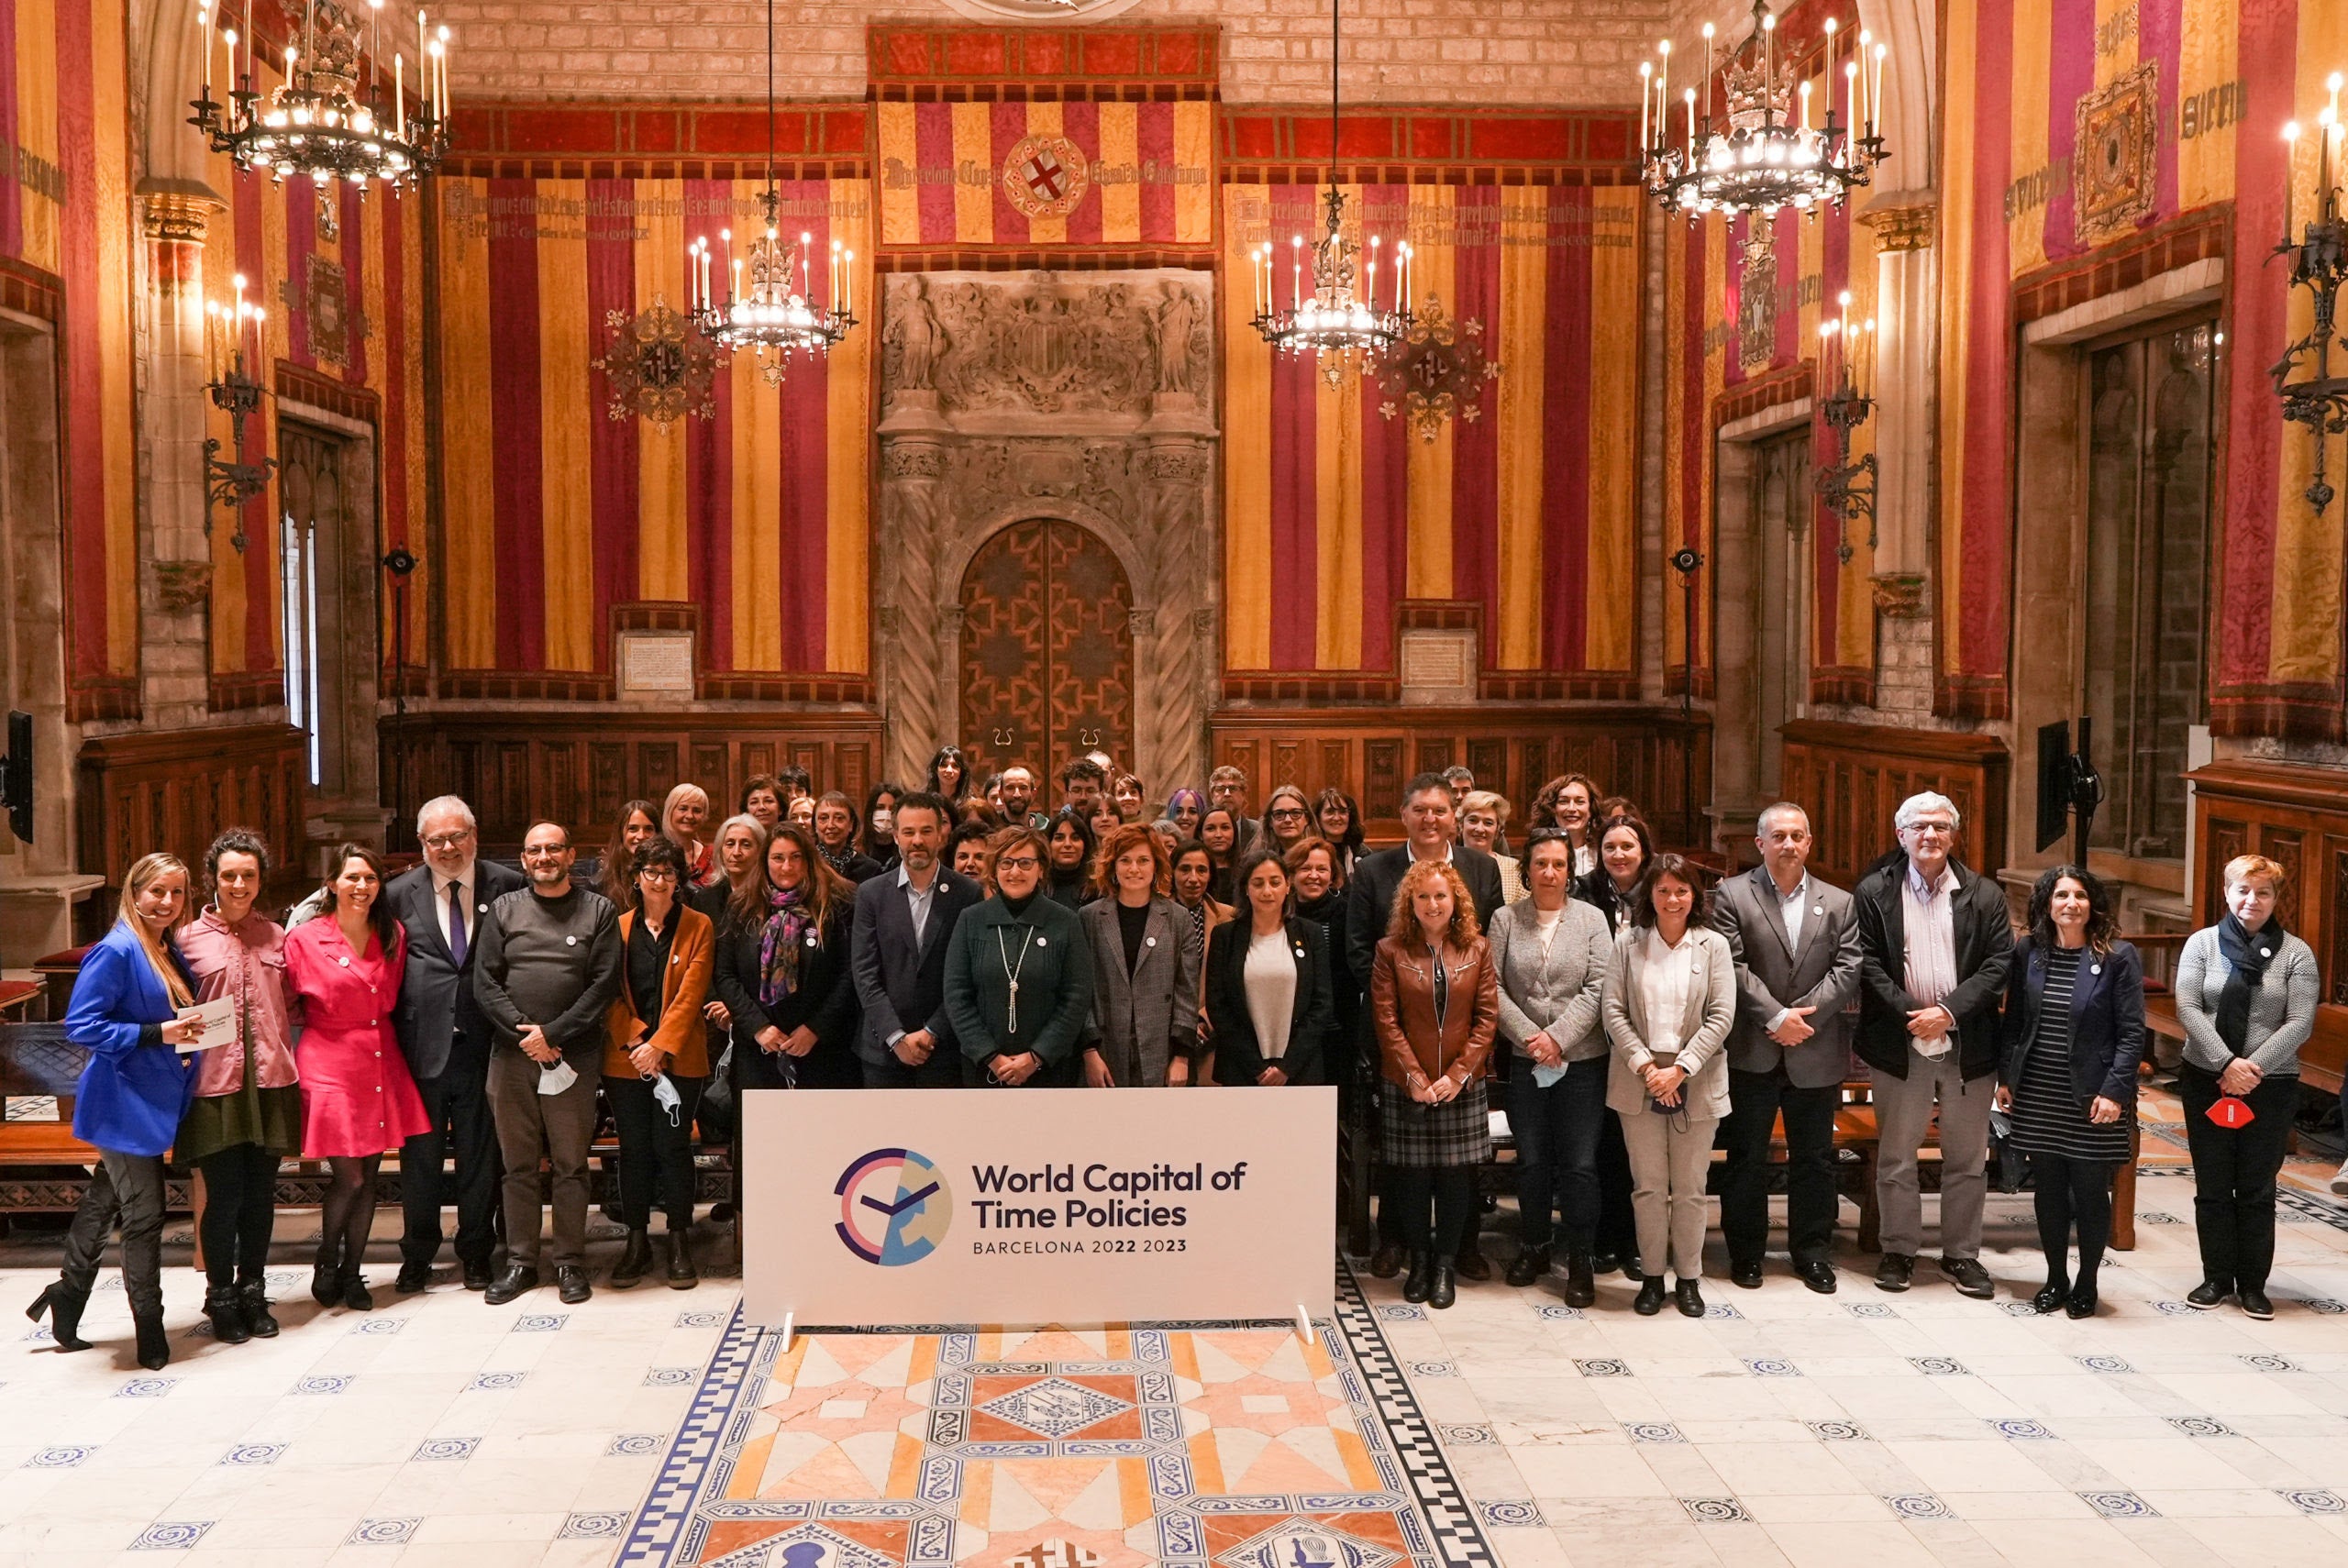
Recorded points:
(1046, 652)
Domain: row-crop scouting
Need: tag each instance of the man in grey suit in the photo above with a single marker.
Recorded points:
(1796, 942)
(903, 920)
(444, 1037)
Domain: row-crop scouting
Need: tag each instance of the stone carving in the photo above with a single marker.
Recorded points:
(1040, 344)
(1907, 228)
(912, 459)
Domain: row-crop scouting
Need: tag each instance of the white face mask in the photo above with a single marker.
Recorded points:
(556, 1079)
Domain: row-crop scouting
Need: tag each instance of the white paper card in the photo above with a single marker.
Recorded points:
(220, 1016)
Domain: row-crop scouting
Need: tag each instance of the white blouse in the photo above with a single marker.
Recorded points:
(1666, 973)
(1270, 977)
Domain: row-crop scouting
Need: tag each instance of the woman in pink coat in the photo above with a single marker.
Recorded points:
(358, 1101)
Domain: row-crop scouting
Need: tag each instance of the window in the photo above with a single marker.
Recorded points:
(2150, 401)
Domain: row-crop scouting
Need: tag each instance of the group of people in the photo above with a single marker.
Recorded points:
(480, 1021)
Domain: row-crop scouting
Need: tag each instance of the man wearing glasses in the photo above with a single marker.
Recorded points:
(1935, 942)
(550, 966)
(444, 1036)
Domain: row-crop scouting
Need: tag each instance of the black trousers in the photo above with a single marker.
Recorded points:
(943, 1070)
(240, 1211)
(2073, 1194)
(1618, 1233)
(1755, 1101)
(458, 1102)
(656, 1154)
(1452, 1191)
(2233, 1177)
(128, 1189)
(1556, 1132)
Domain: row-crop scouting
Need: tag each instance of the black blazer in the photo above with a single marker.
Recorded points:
(1597, 888)
(2106, 1019)
(1370, 899)
(1237, 1059)
(1985, 949)
(824, 1001)
(901, 984)
(439, 1022)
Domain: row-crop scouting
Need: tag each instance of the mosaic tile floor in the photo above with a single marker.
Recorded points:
(648, 1427)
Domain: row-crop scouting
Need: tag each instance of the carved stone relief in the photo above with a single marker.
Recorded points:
(1082, 397)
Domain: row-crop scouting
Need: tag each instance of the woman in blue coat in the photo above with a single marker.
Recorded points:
(2074, 1033)
(133, 1008)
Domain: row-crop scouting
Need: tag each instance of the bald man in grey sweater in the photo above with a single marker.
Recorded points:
(546, 970)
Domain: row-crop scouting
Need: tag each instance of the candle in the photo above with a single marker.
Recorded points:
(1296, 271)
(1646, 98)
(399, 97)
(203, 26)
(807, 289)
(2323, 125)
(1851, 108)
(1805, 108)
(1370, 294)
(849, 306)
(1768, 68)
(1664, 79)
(251, 41)
(2290, 172)
(1874, 95)
(1692, 127)
(1708, 71)
(423, 60)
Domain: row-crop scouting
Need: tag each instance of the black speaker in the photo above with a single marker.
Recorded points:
(17, 775)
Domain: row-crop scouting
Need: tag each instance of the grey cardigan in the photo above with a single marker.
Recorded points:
(1704, 1026)
(2282, 1010)
(1557, 991)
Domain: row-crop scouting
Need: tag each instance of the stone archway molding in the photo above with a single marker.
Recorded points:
(1087, 399)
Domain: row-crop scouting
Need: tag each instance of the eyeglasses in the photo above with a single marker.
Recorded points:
(449, 840)
(656, 874)
(544, 852)
(1018, 863)
(1288, 814)
(1939, 828)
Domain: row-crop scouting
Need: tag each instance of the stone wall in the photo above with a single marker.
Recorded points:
(1558, 54)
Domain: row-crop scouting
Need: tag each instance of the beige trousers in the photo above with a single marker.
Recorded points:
(1670, 1156)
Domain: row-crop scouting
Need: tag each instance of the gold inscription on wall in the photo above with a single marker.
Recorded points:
(475, 216)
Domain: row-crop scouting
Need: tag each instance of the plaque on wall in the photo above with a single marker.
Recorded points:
(1438, 666)
(655, 664)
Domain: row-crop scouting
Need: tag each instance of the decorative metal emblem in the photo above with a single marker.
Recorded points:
(1437, 371)
(1045, 176)
(326, 310)
(2115, 172)
(657, 366)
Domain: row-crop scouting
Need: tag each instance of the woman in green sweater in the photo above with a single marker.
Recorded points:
(1018, 976)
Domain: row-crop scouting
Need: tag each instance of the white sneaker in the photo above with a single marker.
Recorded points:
(2340, 1180)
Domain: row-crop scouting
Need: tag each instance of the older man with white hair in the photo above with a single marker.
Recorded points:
(445, 1038)
(1935, 942)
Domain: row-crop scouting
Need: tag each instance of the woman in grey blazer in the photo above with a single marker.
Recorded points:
(1551, 952)
(1145, 962)
(2246, 992)
(1670, 998)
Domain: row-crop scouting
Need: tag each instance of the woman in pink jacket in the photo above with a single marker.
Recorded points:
(358, 1101)
(246, 1113)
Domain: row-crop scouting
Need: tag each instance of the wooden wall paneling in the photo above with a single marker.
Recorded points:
(606, 779)
(1488, 761)
(1852, 778)
(1335, 763)
(2297, 816)
(757, 756)
(172, 791)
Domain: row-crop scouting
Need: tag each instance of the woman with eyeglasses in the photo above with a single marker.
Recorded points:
(656, 1062)
(1018, 976)
(1288, 819)
(1669, 997)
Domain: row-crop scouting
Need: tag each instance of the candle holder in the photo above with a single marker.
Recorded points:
(234, 482)
(2313, 391)
(1848, 487)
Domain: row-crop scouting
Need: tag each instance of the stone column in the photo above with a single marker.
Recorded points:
(1907, 392)
(175, 588)
(1170, 744)
(919, 712)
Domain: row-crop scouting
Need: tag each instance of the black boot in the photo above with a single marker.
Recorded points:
(1421, 1279)
(1581, 1289)
(681, 1273)
(1650, 1298)
(1529, 1265)
(355, 1293)
(253, 1295)
(1444, 1288)
(154, 1345)
(636, 1258)
(227, 1310)
(64, 1309)
(326, 1274)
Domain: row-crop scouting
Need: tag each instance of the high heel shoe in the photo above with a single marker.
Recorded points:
(64, 1309)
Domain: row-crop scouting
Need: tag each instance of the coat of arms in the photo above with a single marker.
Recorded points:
(1045, 176)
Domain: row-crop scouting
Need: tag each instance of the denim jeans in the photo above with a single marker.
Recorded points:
(1556, 1132)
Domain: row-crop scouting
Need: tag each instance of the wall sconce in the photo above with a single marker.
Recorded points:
(237, 394)
(2315, 394)
(1848, 488)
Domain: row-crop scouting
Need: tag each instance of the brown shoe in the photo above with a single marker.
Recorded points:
(1387, 1261)
(1472, 1264)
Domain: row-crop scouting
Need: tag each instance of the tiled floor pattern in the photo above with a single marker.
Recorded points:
(1786, 1427)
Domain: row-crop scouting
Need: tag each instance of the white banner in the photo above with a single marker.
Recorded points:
(880, 1206)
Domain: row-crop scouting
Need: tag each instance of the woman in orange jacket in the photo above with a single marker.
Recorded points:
(657, 1059)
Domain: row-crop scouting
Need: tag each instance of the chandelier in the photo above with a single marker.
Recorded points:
(1347, 331)
(776, 316)
(2312, 386)
(1766, 147)
(319, 123)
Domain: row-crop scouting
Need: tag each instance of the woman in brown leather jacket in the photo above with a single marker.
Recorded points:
(1435, 1001)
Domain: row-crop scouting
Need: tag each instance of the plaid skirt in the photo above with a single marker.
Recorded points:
(1457, 1133)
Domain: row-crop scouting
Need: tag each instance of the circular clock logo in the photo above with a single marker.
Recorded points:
(895, 1207)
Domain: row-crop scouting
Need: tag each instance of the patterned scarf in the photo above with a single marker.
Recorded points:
(780, 943)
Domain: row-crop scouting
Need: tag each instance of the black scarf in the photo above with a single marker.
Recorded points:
(2247, 954)
(1018, 908)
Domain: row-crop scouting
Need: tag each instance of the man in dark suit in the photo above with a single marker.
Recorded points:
(1796, 942)
(1429, 819)
(905, 919)
(446, 1039)
(1937, 942)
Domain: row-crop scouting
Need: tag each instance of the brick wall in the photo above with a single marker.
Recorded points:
(1553, 53)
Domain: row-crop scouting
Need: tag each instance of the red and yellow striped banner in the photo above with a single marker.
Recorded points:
(1336, 513)
(1047, 174)
(557, 511)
